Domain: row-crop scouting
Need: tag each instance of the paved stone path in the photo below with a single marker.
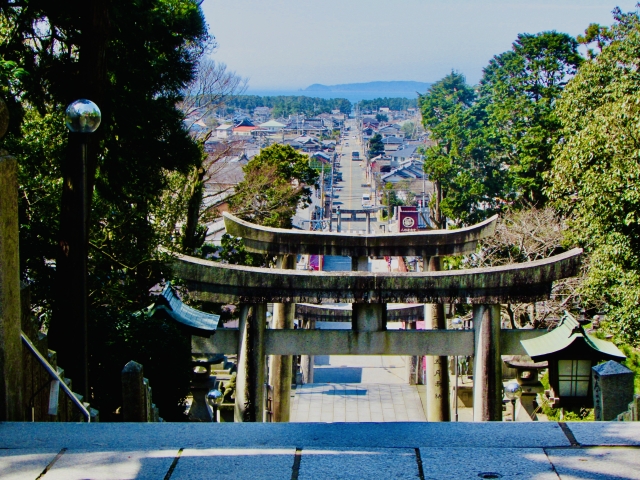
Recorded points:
(367, 388)
(383, 369)
(357, 402)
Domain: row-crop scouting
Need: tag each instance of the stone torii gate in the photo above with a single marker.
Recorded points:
(430, 245)
(369, 292)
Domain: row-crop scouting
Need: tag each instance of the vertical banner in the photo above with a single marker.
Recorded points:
(408, 219)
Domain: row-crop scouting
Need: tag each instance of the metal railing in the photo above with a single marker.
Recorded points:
(55, 378)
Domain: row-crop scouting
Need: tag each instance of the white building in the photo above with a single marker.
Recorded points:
(224, 131)
(272, 126)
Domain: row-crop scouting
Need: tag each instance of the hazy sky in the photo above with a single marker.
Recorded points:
(290, 44)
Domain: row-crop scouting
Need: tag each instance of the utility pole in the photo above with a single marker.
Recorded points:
(322, 199)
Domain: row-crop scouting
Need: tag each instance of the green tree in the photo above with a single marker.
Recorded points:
(382, 117)
(390, 198)
(376, 147)
(518, 92)
(594, 179)
(451, 162)
(409, 129)
(284, 105)
(602, 36)
(276, 183)
(597, 34)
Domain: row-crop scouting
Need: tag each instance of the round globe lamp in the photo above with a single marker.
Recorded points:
(214, 399)
(513, 391)
(82, 116)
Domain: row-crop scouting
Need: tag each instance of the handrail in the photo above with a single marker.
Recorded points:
(54, 374)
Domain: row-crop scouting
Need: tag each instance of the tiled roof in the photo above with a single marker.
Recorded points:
(173, 306)
(565, 334)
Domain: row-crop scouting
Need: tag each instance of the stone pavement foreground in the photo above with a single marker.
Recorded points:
(195, 451)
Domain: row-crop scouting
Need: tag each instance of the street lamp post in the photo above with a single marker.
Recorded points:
(215, 398)
(83, 117)
(513, 391)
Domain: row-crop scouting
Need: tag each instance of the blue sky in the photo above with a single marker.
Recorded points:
(291, 44)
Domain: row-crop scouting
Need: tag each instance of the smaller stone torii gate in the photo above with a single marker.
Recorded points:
(253, 288)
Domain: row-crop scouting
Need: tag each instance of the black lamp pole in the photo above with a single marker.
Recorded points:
(82, 117)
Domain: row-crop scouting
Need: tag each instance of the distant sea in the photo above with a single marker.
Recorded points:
(352, 92)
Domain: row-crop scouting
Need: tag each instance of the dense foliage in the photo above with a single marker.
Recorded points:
(133, 59)
(276, 183)
(376, 147)
(517, 95)
(594, 179)
(284, 105)
(492, 144)
(447, 114)
(545, 125)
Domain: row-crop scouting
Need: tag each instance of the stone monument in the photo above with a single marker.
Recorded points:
(612, 390)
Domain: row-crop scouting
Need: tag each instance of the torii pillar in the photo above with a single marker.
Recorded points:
(437, 371)
(487, 364)
(367, 317)
(282, 365)
(249, 404)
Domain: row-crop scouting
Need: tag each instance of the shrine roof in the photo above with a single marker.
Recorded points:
(171, 304)
(568, 332)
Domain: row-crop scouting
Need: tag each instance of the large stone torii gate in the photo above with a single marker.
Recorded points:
(253, 288)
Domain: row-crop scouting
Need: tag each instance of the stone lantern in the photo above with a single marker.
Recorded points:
(570, 353)
(527, 374)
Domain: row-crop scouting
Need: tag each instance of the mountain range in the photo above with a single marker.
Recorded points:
(392, 89)
(353, 92)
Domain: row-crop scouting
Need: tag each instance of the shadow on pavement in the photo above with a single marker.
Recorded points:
(347, 392)
(337, 375)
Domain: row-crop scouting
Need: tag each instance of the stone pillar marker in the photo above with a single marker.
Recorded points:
(249, 404)
(10, 342)
(437, 372)
(282, 365)
(487, 364)
(612, 390)
(133, 394)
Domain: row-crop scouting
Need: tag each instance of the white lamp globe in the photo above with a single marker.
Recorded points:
(513, 390)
